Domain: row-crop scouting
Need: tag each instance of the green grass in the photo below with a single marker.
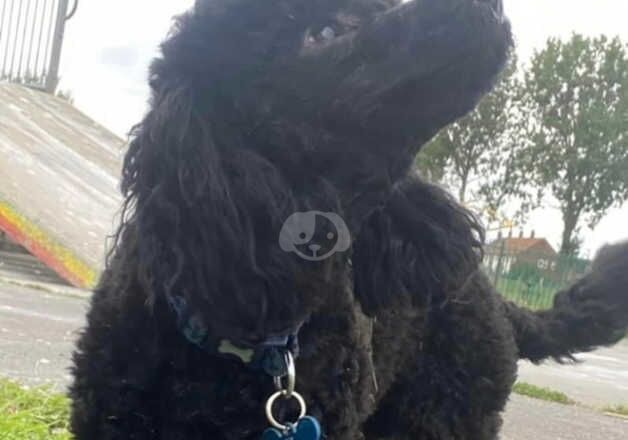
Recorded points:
(526, 389)
(32, 413)
(622, 410)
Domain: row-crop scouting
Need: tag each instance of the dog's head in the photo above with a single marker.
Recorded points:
(264, 109)
(338, 78)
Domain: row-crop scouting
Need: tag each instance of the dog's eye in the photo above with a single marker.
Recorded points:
(302, 235)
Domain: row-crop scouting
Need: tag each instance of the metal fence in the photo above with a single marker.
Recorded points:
(532, 278)
(31, 36)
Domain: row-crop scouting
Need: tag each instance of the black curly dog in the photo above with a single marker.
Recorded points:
(262, 109)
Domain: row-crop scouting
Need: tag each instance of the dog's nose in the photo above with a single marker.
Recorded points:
(314, 248)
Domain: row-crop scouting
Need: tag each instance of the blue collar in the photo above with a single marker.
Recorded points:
(268, 356)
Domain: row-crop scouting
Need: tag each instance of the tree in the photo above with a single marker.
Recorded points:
(578, 96)
(481, 154)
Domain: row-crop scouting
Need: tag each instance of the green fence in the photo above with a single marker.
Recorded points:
(531, 278)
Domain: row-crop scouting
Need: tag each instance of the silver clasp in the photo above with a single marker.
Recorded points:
(291, 376)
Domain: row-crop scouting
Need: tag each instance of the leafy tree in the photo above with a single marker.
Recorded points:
(433, 159)
(481, 154)
(578, 96)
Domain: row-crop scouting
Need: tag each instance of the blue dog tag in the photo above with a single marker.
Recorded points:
(307, 428)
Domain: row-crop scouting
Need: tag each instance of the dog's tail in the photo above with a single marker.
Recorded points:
(591, 313)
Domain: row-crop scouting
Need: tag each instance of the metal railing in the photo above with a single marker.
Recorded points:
(31, 38)
(530, 278)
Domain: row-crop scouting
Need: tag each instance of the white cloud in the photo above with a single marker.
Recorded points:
(534, 21)
(109, 45)
(107, 51)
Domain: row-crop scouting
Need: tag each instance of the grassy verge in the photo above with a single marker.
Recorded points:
(526, 389)
(621, 410)
(32, 413)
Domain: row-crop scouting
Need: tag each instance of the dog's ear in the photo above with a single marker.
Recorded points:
(208, 212)
(422, 244)
(172, 161)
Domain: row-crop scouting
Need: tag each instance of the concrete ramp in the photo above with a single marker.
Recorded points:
(58, 182)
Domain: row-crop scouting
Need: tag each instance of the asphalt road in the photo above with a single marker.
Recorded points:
(599, 379)
(529, 419)
(37, 331)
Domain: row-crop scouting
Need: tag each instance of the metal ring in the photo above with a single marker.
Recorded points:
(291, 375)
(271, 403)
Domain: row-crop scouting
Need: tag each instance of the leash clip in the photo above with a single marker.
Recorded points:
(290, 376)
(306, 427)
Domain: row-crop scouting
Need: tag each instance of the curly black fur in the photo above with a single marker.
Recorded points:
(259, 111)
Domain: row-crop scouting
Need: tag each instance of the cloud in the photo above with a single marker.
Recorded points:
(534, 21)
(108, 48)
(123, 57)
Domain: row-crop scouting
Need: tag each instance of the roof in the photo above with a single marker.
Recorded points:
(58, 181)
(518, 245)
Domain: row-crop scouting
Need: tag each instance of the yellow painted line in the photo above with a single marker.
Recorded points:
(60, 259)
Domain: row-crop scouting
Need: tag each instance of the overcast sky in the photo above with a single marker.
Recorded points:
(110, 43)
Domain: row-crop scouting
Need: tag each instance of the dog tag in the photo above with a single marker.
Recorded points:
(307, 428)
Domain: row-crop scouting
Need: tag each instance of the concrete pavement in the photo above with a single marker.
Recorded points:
(60, 172)
(530, 419)
(37, 334)
(600, 379)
